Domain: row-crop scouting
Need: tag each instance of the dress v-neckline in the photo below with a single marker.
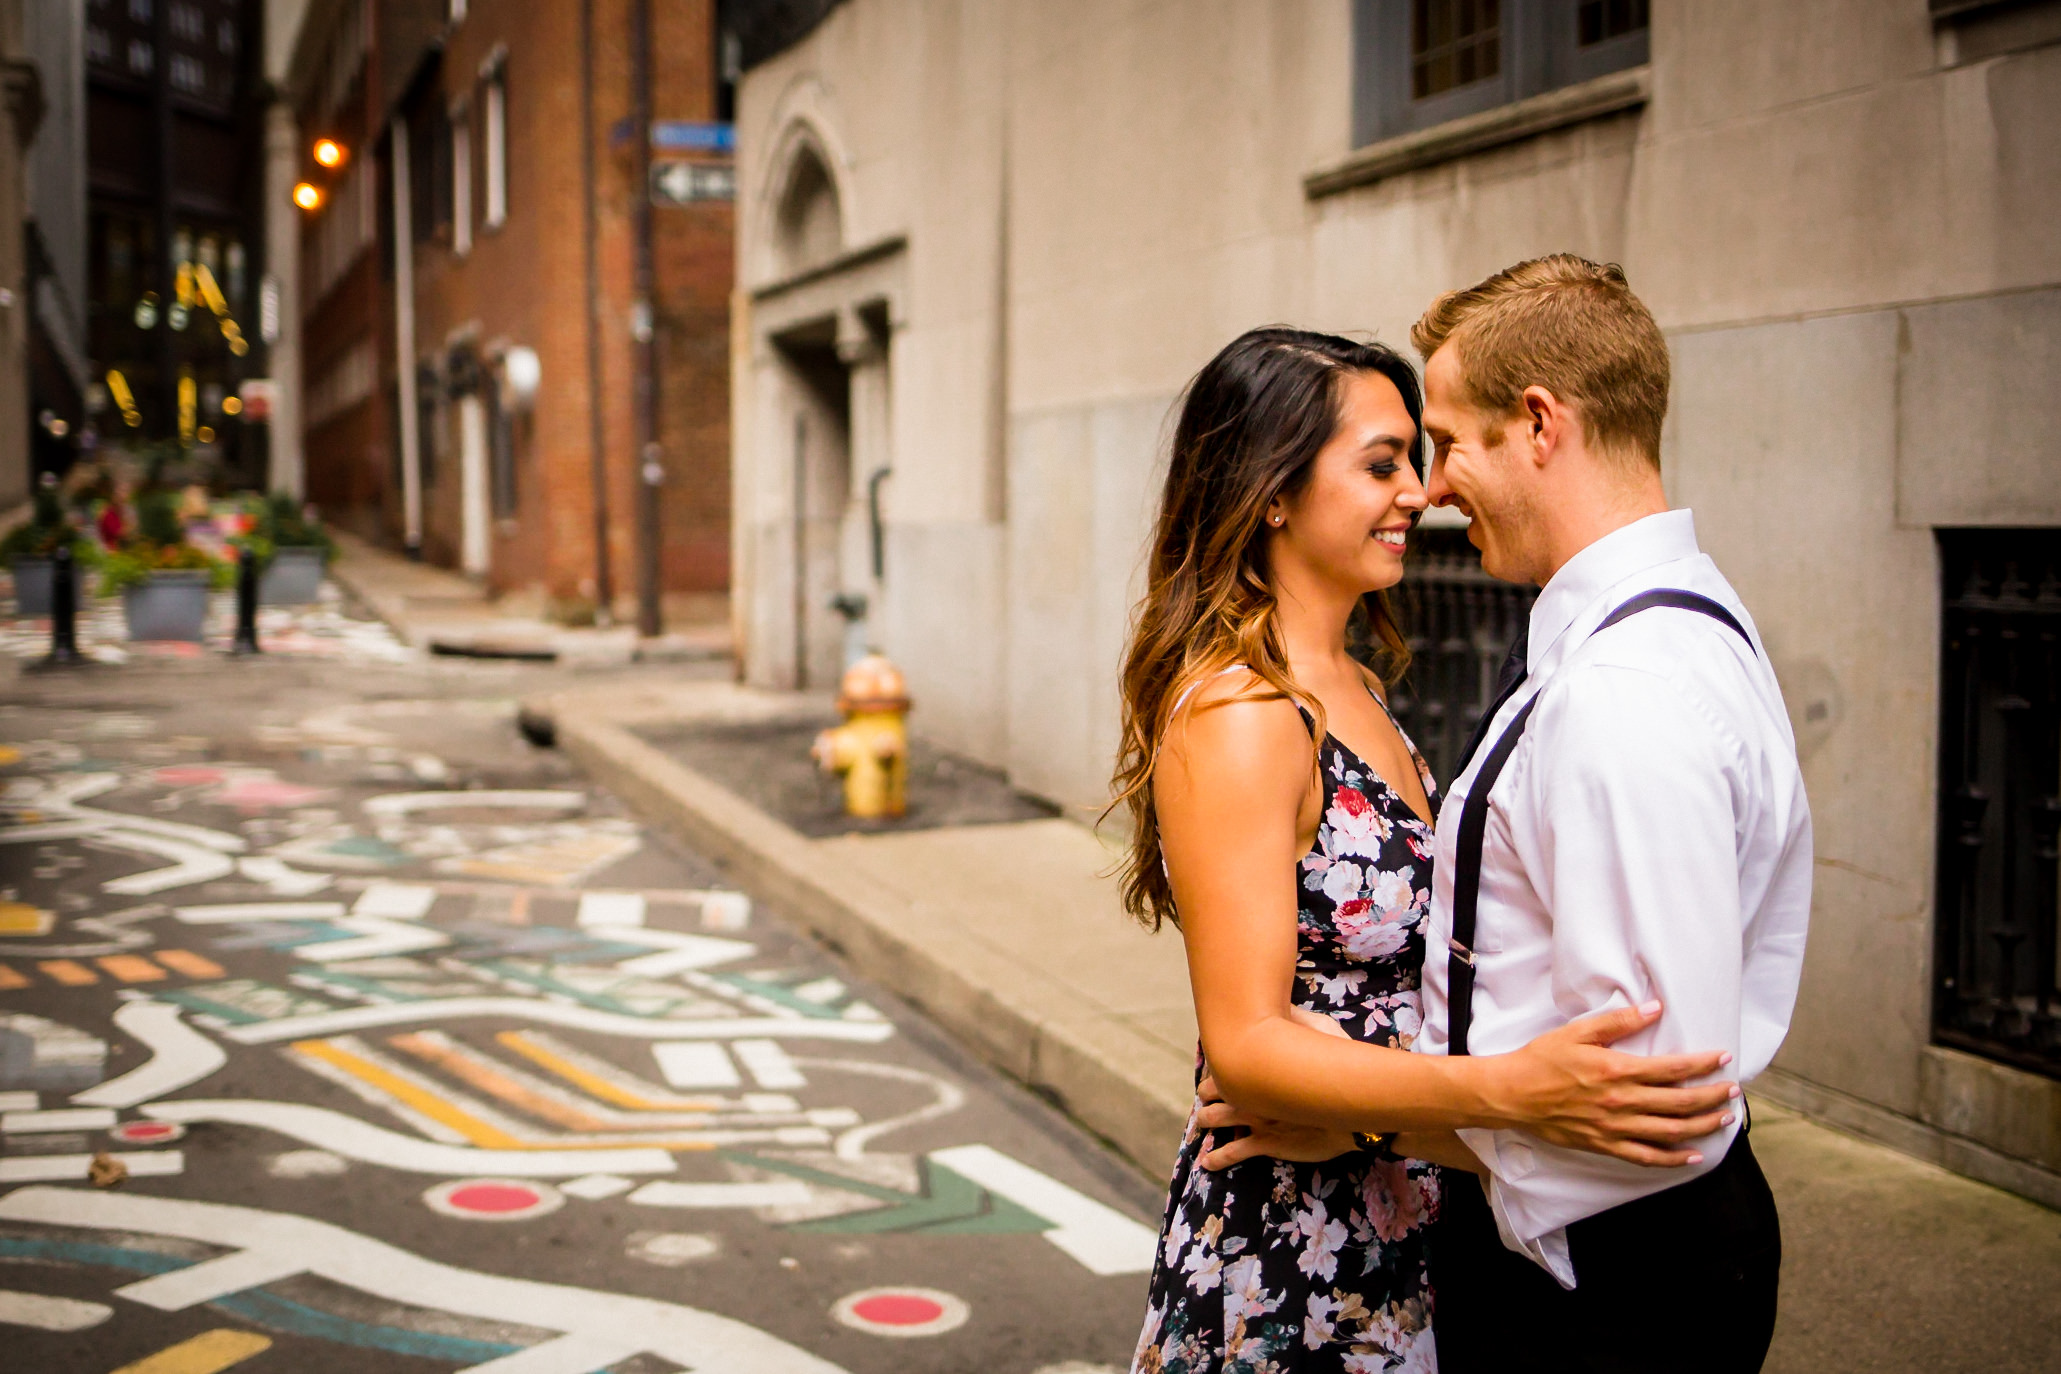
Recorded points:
(1415, 762)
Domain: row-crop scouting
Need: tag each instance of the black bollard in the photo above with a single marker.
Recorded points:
(246, 604)
(64, 609)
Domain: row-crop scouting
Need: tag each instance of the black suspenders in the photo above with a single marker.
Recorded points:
(1474, 820)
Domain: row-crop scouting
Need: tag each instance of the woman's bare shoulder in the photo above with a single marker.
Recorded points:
(1238, 726)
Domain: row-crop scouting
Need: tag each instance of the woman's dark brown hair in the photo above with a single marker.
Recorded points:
(1252, 423)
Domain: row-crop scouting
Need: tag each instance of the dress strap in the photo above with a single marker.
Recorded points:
(1199, 683)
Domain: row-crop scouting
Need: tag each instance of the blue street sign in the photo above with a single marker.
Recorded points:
(686, 135)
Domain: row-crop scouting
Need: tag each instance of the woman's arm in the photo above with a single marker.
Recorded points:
(1234, 795)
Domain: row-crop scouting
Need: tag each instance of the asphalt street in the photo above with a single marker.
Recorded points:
(420, 1054)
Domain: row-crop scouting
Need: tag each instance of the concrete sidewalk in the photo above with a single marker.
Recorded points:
(1010, 937)
(446, 612)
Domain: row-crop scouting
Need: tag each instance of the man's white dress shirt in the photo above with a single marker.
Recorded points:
(1649, 837)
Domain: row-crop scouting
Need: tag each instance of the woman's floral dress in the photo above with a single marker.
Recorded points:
(1274, 1266)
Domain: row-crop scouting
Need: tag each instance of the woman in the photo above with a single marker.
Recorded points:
(1299, 883)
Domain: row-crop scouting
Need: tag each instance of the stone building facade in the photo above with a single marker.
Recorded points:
(982, 246)
(508, 446)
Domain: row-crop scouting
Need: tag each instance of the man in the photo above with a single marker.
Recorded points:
(1646, 836)
(1629, 827)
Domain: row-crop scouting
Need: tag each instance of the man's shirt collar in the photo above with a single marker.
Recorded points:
(1645, 543)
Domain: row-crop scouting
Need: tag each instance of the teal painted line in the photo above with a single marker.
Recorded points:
(265, 1309)
(598, 1001)
(193, 1001)
(280, 1314)
(367, 986)
(773, 992)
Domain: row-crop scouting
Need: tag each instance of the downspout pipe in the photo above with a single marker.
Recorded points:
(597, 434)
(404, 342)
(650, 455)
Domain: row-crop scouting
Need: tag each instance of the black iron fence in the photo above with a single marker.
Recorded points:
(1459, 622)
(1999, 796)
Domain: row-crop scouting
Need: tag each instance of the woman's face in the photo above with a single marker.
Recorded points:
(1347, 525)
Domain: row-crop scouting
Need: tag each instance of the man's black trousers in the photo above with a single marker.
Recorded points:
(1682, 1282)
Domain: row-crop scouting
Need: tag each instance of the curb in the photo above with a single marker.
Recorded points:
(1048, 1037)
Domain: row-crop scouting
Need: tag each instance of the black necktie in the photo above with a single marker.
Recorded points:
(1508, 679)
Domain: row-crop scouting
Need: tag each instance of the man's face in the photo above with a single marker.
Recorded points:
(1488, 484)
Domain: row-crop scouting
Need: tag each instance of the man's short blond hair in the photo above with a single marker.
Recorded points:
(1568, 325)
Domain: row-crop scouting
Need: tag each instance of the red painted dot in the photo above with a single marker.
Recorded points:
(492, 1197)
(146, 1130)
(898, 1309)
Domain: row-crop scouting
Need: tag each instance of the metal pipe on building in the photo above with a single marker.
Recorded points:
(650, 456)
(404, 343)
(597, 438)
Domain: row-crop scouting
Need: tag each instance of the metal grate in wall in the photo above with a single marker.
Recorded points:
(1999, 796)
(1459, 622)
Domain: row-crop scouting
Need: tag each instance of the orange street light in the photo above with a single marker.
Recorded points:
(308, 196)
(329, 153)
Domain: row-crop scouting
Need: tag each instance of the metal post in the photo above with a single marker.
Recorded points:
(64, 609)
(246, 605)
(597, 439)
(650, 456)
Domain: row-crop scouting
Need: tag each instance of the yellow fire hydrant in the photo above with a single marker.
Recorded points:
(871, 748)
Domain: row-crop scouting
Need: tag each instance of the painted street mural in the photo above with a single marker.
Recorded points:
(346, 1031)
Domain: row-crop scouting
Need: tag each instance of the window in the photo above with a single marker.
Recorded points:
(1999, 796)
(461, 179)
(494, 107)
(1453, 43)
(1418, 63)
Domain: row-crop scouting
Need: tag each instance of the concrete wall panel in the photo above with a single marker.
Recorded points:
(1782, 441)
(1978, 415)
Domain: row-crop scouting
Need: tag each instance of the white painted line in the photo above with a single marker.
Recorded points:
(1101, 1238)
(395, 901)
(178, 1289)
(369, 1144)
(572, 1354)
(227, 913)
(677, 952)
(46, 1313)
(73, 1119)
(378, 937)
(559, 1014)
(695, 1064)
(600, 1327)
(769, 1065)
(611, 909)
(192, 863)
(785, 1192)
(179, 1056)
(282, 878)
(401, 803)
(72, 1168)
(595, 1187)
(19, 1102)
(725, 910)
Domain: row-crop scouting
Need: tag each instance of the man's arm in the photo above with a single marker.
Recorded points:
(1629, 829)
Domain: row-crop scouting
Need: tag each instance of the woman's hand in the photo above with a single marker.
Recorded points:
(1567, 1089)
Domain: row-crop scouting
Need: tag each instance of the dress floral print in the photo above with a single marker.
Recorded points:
(1274, 1266)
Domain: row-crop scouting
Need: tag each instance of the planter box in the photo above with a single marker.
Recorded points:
(171, 605)
(32, 581)
(294, 577)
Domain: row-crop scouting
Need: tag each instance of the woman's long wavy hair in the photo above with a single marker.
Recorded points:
(1252, 423)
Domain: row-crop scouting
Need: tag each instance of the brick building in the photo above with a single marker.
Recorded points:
(460, 232)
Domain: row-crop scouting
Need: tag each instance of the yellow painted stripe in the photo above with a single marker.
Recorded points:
(68, 973)
(480, 1133)
(594, 1084)
(10, 978)
(428, 1103)
(132, 968)
(187, 962)
(207, 1353)
(488, 1080)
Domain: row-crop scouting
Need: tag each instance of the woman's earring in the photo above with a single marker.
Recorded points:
(1277, 522)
